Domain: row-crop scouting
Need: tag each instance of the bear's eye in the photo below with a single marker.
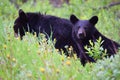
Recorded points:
(78, 27)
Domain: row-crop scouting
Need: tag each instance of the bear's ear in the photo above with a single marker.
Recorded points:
(22, 15)
(94, 20)
(73, 19)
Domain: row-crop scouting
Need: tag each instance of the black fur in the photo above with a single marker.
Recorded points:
(61, 30)
(85, 30)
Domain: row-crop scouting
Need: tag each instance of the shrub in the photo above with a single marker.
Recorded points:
(95, 49)
(108, 68)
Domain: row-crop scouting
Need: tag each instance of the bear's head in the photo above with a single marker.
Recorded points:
(83, 28)
(20, 24)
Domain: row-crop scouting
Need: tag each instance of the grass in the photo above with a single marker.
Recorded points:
(29, 60)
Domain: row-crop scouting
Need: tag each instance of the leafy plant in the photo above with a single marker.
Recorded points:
(108, 68)
(95, 49)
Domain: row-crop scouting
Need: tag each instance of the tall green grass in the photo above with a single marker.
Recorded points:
(30, 60)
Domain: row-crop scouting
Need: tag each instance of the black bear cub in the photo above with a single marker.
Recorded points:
(85, 30)
(38, 23)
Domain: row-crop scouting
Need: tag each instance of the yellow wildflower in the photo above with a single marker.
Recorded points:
(28, 50)
(62, 58)
(57, 50)
(68, 63)
(42, 70)
(8, 56)
(4, 46)
(75, 56)
(29, 75)
(8, 38)
(41, 34)
(57, 70)
(38, 52)
(27, 32)
(70, 48)
(68, 57)
(54, 40)
(13, 59)
(35, 35)
(44, 40)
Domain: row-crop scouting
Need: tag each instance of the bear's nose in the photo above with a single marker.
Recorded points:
(81, 35)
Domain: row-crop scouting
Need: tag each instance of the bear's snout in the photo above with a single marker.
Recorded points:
(81, 34)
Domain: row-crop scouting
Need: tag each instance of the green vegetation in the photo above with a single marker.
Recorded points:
(96, 50)
(30, 60)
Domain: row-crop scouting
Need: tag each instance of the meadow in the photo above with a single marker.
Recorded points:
(29, 60)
